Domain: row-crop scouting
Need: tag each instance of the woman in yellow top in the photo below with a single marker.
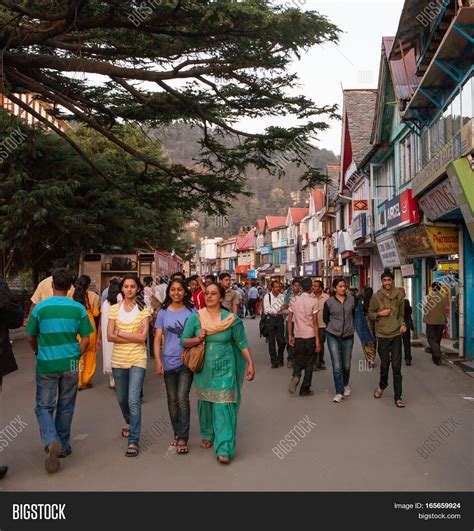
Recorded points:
(90, 301)
(128, 330)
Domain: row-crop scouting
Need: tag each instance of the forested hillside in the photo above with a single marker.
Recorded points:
(268, 194)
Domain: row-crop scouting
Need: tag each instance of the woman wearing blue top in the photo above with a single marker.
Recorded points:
(175, 310)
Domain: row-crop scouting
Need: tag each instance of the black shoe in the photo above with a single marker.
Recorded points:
(62, 455)
(323, 366)
(280, 363)
(3, 471)
(275, 366)
(408, 362)
(307, 393)
(437, 362)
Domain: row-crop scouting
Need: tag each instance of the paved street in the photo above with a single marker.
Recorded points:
(361, 444)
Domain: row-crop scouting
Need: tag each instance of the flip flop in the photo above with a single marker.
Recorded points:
(378, 392)
(206, 443)
(125, 432)
(174, 441)
(182, 447)
(223, 459)
(132, 450)
(400, 403)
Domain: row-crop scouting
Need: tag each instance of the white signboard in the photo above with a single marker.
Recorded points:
(408, 270)
(439, 201)
(388, 251)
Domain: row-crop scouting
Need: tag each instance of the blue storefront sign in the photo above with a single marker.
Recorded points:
(310, 269)
(268, 249)
(252, 273)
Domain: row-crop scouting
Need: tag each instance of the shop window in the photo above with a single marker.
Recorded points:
(467, 98)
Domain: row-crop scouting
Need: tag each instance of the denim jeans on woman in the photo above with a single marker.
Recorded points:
(128, 388)
(55, 400)
(178, 384)
(341, 354)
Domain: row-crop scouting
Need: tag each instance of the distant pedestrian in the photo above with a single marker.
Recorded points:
(178, 274)
(369, 346)
(387, 309)
(435, 312)
(52, 329)
(194, 284)
(338, 314)
(232, 298)
(408, 319)
(218, 384)
(209, 279)
(105, 292)
(303, 333)
(90, 301)
(128, 330)
(11, 317)
(113, 295)
(253, 297)
(172, 317)
(321, 297)
(273, 308)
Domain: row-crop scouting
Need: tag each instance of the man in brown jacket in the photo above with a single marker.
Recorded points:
(387, 310)
(434, 316)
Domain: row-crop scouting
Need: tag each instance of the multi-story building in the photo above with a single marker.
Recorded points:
(312, 238)
(294, 219)
(437, 159)
(227, 255)
(245, 246)
(207, 258)
(273, 250)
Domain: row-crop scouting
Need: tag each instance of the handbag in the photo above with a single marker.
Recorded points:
(193, 357)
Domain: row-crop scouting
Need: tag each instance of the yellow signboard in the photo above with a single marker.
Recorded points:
(445, 240)
(448, 266)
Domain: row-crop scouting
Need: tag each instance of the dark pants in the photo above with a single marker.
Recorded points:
(320, 355)
(289, 349)
(434, 334)
(276, 332)
(407, 344)
(252, 306)
(55, 400)
(305, 354)
(178, 384)
(390, 350)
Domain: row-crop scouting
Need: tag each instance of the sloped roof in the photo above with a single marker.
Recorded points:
(359, 110)
(318, 198)
(274, 222)
(260, 225)
(247, 241)
(297, 214)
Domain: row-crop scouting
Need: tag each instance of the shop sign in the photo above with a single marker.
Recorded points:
(415, 242)
(309, 269)
(360, 205)
(344, 243)
(446, 265)
(388, 251)
(359, 226)
(439, 201)
(459, 146)
(408, 270)
(252, 273)
(445, 240)
(401, 210)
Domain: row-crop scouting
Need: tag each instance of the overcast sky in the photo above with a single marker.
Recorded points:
(354, 63)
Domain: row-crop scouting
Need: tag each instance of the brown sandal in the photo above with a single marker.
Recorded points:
(182, 447)
(223, 459)
(174, 441)
(400, 403)
(378, 392)
(205, 443)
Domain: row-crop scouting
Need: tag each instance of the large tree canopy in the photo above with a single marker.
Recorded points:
(51, 204)
(155, 62)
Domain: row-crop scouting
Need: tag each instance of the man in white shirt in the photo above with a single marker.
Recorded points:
(274, 307)
(252, 300)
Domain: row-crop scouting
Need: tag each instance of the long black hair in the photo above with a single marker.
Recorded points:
(139, 297)
(80, 292)
(114, 290)
(367, 295)
(188, 298)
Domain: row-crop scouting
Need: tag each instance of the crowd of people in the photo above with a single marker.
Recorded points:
(69, 324)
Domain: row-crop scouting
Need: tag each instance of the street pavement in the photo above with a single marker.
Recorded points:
(362, 444)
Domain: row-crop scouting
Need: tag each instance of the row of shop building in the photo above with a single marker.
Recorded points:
(403, 194)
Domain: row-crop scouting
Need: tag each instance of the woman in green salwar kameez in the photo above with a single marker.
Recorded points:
(227, 360)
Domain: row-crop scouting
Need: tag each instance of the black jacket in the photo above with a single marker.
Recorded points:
(11, 316)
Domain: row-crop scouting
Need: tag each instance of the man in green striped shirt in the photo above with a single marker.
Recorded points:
(52, 329)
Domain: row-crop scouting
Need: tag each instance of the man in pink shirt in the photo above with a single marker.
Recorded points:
(303, 334)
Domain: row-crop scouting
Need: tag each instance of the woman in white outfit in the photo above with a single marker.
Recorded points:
(113, 297)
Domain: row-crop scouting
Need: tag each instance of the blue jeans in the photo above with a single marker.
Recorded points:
(55, 400)
(341, 354)
(178, 384)
(128, 388)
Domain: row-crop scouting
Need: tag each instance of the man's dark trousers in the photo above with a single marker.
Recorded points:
(434, 334)
(304, 357)
(276, 332)
(407, 344)
(390, 350)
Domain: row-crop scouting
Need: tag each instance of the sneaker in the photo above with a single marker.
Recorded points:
(338, 399)
(347, 391)
(293, 385)
(51, 463)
